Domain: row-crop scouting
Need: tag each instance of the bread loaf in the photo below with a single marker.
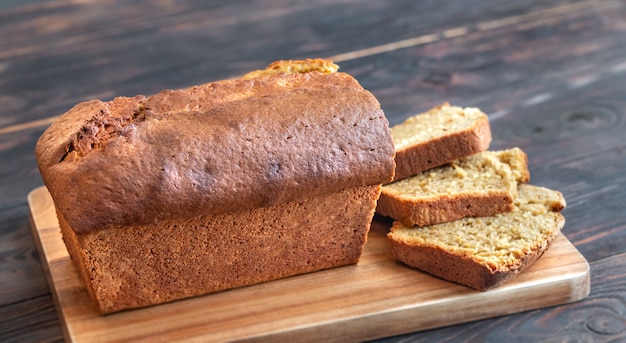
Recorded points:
(483, 184)
(441, 135)
(484, 252)
(217, 186)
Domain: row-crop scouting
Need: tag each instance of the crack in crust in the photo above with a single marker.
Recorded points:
(101, 128)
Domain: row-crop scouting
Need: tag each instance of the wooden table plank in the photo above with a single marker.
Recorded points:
(550, 73)
(19, 260)
(507, 70)
(30, 320)
(68, 52)
(18, 167)
(26, 309)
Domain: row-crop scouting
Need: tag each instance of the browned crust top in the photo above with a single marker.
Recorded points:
(216, 148)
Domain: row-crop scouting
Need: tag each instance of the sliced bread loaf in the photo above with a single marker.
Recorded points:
(484, 252)
(482, 184)
(436, 137)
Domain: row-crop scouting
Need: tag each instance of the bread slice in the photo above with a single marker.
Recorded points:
(484, 252)
(443, 134)
(483, 184)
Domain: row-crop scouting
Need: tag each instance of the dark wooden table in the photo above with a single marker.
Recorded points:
(550, 74)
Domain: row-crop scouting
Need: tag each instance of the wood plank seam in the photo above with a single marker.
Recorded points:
(27, 125)
(412, 42)
(468, 29)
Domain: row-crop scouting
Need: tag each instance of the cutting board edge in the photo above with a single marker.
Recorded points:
(578, 283)
(352, 326)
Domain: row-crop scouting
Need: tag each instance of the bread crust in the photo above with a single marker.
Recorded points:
(131, 267)
(463, 269)
(215, 148)
(438, 151)
(427, 211)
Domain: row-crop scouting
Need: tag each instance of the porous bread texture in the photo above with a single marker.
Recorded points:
(217, 186)
(484, 252)
(482, 184)
(438, 136)
(134, 266)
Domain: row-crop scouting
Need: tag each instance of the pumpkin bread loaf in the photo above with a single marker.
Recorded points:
(217, 186)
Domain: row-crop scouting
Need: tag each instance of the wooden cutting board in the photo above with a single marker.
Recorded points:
(376, 298)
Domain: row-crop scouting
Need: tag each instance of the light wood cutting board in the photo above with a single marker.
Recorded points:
(378, 297)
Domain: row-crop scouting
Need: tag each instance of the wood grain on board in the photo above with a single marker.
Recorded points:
(378, 297)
